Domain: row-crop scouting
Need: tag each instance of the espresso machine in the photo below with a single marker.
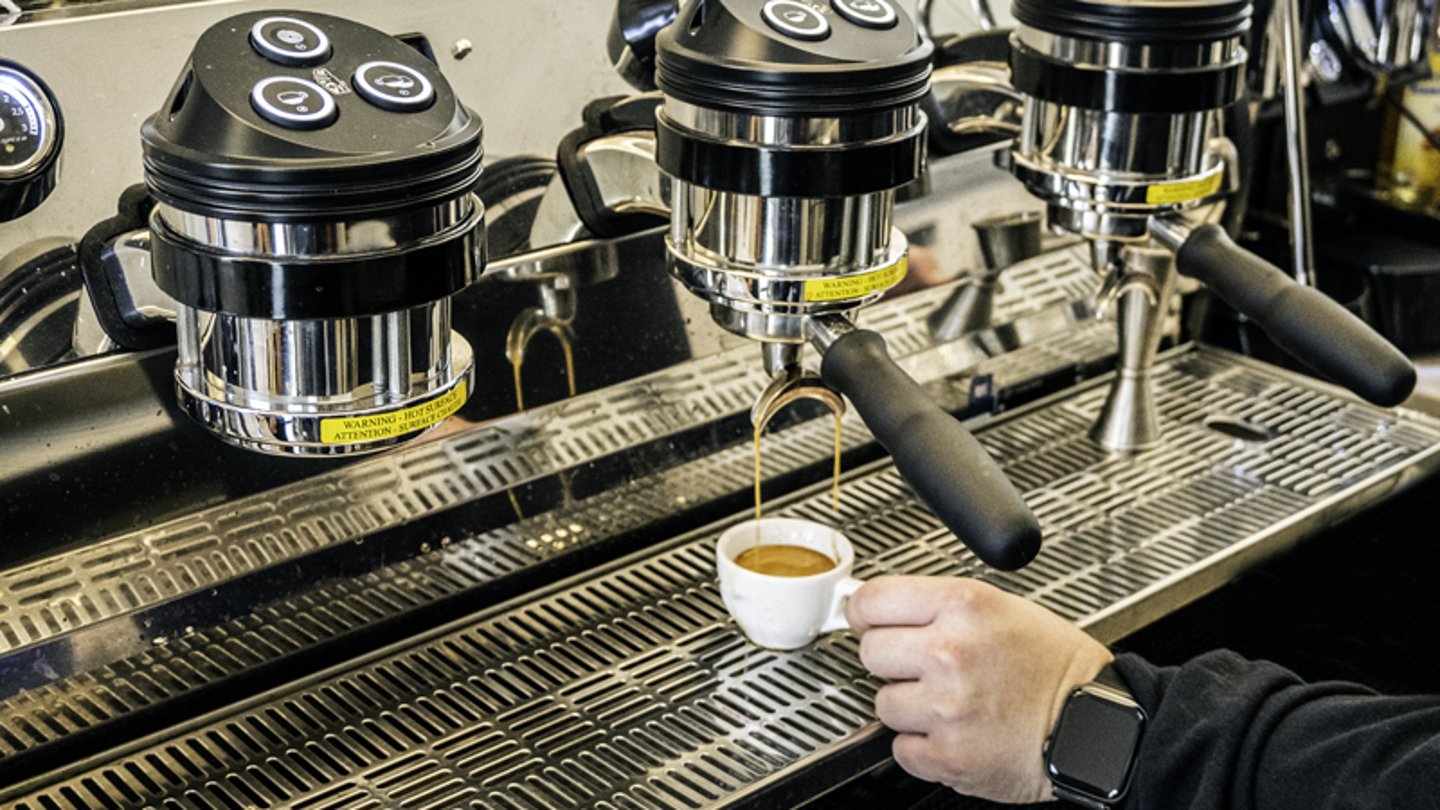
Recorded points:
(278, 531)
(1122, 137)
(783, 134)
(785, 142)
(312, 262)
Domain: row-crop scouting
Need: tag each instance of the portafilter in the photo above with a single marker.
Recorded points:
(786, 128)
(1122, 135)
(315, 213)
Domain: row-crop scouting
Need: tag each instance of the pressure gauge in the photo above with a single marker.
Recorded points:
(30, 136)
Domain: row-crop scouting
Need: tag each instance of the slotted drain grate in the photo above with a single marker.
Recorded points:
(46, 715)
(124, 574)
(630, 689)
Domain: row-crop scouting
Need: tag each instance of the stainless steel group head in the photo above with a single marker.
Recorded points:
(312, 235)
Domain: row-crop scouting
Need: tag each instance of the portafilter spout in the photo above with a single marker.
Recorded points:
(1004, 240)
(1140, 289)
(785, 131)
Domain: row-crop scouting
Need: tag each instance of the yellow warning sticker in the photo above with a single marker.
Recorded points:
(840, 289)
(1183, 191)
(347, 430)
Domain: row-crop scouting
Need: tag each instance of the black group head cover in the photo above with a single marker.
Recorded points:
(1136, 24)
(1137, 21)
(295, 115)
(793, 57)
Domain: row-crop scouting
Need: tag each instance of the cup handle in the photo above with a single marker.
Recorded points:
(844, 589)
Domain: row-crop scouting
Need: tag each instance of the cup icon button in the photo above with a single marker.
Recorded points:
(795, 19)
(293, 103)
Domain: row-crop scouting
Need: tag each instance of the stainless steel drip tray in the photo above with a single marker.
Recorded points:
(134, 571)
(628, 687)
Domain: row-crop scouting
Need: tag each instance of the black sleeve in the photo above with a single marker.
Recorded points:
(1226, 733)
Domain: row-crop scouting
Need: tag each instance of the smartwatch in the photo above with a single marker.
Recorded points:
(1090, 756)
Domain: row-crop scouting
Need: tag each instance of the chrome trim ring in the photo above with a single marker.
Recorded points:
(324, 239)
(287, 433)
(771, 304)
(1108, 208)
(1160, 57)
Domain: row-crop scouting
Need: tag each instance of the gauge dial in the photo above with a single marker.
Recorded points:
(28, 130)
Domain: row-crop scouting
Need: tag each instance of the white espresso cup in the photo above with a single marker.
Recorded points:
(785, 613)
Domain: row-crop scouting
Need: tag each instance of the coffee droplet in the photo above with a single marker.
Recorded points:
(784, 561)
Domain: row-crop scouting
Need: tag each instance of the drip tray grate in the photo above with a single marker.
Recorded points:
(630, 689)
(53, 597)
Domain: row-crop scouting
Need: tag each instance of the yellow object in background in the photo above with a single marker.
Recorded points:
(1416, 164)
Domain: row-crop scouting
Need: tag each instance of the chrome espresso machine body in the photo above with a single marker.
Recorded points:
(786, 132)
(312, 238)
(1122, 137)
(515, 604)
(783, 132)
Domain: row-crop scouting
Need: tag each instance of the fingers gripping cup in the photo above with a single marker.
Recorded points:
(787, 581)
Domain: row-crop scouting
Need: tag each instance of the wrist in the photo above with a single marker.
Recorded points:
(1085, 665)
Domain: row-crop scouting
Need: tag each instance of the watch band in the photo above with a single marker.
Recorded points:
(1110, 676)
(1109, 684)
(1088, 802)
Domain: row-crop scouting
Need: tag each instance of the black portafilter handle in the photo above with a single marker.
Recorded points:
(1306, 323)
(950, 471)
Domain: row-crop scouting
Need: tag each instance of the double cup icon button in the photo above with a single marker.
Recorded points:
(393, 86)
(867, 13)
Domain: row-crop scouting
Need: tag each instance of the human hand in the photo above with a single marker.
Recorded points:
(977, 679)
(923, 271)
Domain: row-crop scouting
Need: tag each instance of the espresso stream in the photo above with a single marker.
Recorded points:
(515, 364)
(834, 485)
(784, 561)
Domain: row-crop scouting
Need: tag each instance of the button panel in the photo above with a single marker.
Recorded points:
(796, 19)
(293, 103)
(393, 86)
(288, 41)
(867, 13)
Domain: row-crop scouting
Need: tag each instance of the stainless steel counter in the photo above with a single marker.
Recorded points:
(627, 686)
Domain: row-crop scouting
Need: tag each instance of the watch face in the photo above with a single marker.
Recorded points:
(1094, 745)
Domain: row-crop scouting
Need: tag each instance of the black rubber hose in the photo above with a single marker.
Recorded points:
(603, 117)
(128, 329)
(1306, 323)
(939, 458)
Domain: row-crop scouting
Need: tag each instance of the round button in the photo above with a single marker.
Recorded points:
(294, 103)
(393, 86)
(290, 41)
(795, 19)
(869, 13)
